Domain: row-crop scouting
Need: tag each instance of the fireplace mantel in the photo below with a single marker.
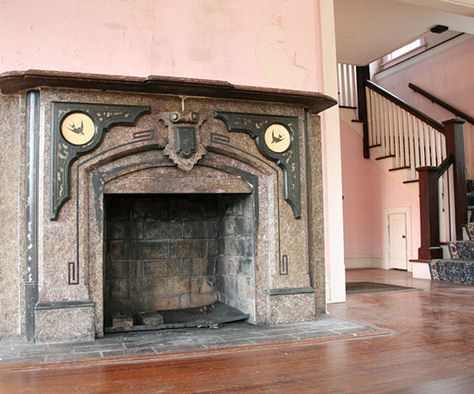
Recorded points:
(89, 139)
(17, 81)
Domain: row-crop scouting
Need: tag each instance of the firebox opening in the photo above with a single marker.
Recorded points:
(177, 260)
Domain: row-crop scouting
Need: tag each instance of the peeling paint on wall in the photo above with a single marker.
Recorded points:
(276, 61)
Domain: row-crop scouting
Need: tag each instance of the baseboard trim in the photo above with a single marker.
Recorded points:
(363, 262)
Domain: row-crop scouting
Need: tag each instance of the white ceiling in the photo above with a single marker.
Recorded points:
(369, 29)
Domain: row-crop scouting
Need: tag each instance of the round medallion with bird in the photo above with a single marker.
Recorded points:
(277, 138)
(78, 128)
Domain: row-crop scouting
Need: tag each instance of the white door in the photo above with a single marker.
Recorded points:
(397, 240)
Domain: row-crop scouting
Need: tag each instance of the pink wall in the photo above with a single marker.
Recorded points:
(271, 43)
(369, 190)
(448, 75)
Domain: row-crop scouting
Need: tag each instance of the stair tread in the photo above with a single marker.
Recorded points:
(384, 157)
(399, 168)
(347, 106)
(412, 181)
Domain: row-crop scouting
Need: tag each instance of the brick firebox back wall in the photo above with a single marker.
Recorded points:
(178, 251)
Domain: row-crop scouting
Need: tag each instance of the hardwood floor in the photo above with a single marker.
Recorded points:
(431, 351)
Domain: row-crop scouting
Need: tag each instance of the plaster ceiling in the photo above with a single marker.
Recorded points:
(369, 29)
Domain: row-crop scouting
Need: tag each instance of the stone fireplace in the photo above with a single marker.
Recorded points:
(144, 196)
(168, 252)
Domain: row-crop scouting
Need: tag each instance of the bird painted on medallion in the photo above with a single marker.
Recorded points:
(275, 139)
(77, 130)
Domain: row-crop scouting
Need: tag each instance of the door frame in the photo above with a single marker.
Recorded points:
(387, 212)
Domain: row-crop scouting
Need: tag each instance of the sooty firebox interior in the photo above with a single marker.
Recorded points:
(178, 260)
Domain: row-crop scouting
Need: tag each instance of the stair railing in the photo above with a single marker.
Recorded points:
(412, 138)
(443, 202)
(457, 112)
(437, 217)
(433, 153)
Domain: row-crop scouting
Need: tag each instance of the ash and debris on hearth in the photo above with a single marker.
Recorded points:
(206, 309)
(207, 316)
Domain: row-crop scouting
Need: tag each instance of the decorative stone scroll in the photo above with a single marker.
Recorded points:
(184, 146)
(277, 139)
(78, 128)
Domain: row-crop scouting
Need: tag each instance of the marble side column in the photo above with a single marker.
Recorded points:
(31, 279)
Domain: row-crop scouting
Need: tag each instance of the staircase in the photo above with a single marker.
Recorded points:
(401, 136)
(422, 152)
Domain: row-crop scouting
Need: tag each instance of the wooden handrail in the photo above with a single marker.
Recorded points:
(407, 107)
(443, 167)
(441, 103)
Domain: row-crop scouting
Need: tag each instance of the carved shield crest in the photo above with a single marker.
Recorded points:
(184, 144)
(185, 140)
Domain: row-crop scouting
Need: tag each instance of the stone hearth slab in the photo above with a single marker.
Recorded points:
(207, 316)
(187, 340)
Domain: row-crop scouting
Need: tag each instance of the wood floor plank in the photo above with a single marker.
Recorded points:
(430, 351)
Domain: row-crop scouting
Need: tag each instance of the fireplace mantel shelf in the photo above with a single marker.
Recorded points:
(17, 81)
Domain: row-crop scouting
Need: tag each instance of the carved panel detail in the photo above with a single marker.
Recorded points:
(255, 125)
(184, 146)
(64, 153)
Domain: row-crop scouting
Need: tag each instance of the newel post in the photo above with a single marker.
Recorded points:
(455, 146)
(429, 214)
(363, 74)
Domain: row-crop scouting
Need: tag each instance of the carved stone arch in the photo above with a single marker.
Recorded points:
(103, 172)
